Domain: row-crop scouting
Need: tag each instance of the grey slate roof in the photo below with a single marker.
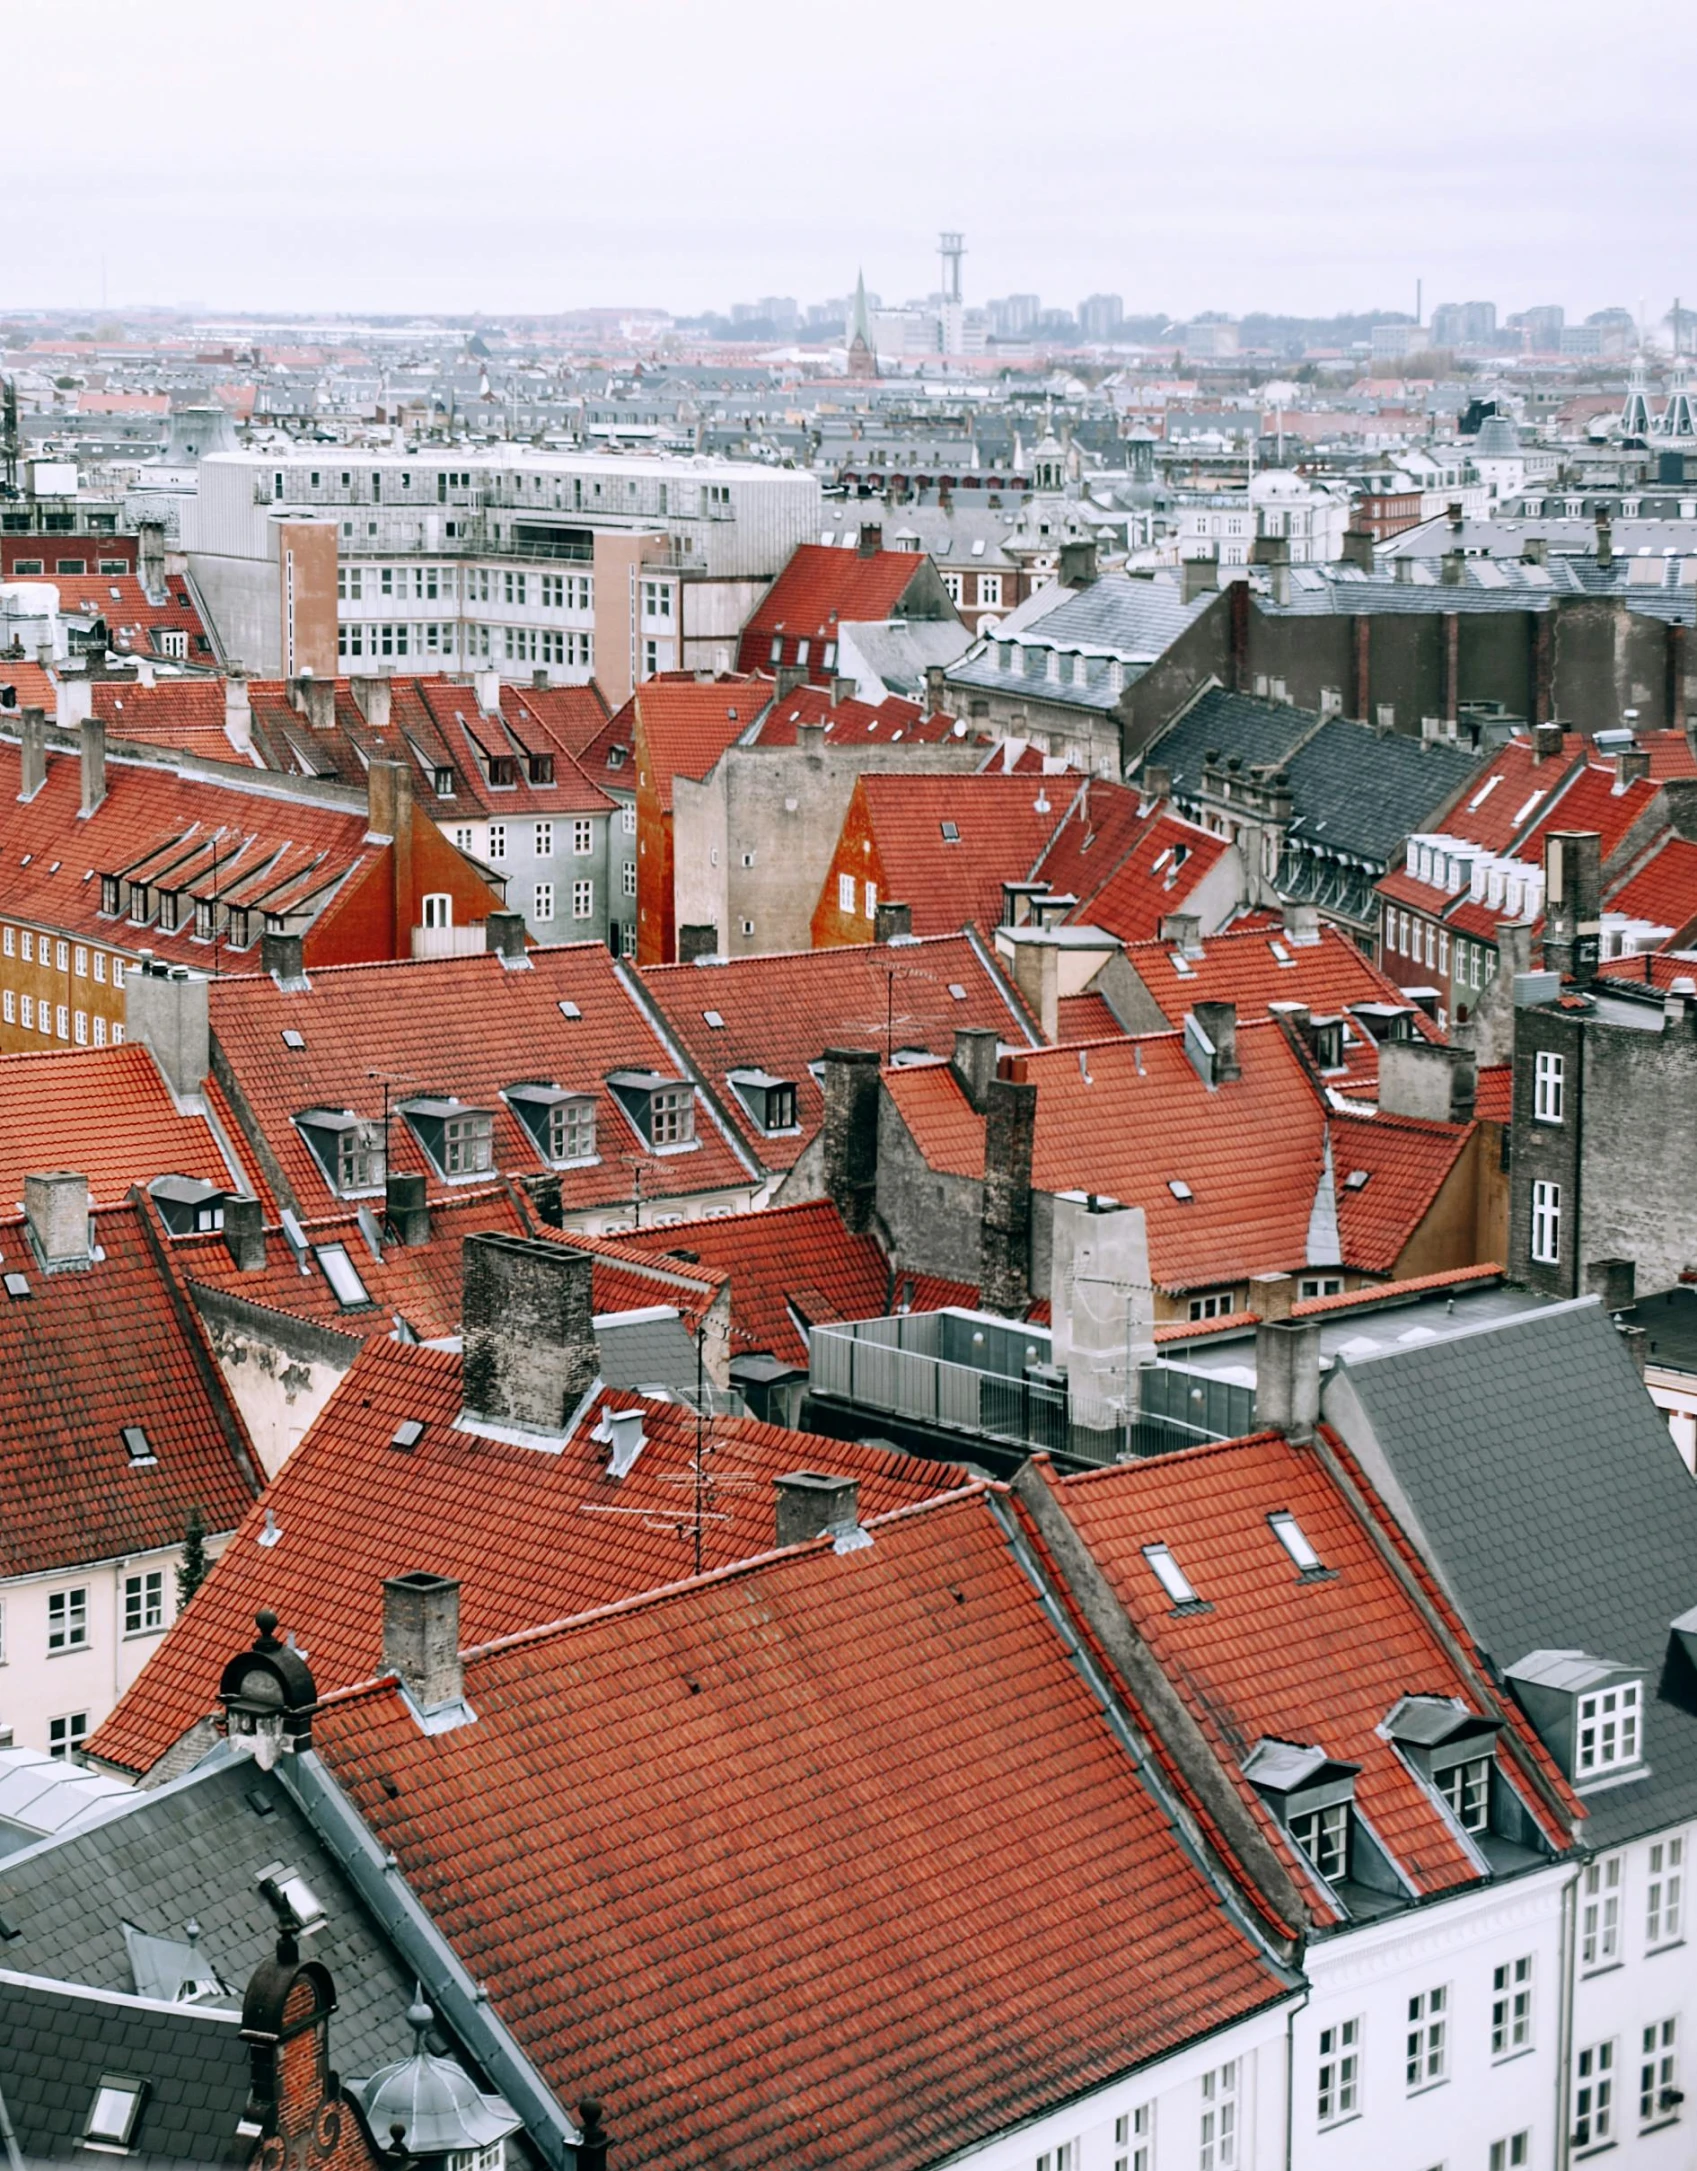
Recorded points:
(1260, 733)
(1359, 793)
(55, 2043)
(1533, 1470)
(643, 1352)
(902, 654)
(194, 1848)
(1486, 584)
(1119, 616)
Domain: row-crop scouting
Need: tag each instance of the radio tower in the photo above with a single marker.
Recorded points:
(951, 248)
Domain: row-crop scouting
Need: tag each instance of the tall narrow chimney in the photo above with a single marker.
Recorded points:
(166, 1006)
(244, 1234)
(406, 1208)
(32, 753)
(977, 1048)
(238, 711)
(1004, 1237)
(91, 733)
(1573, 902)
(372, 698)
(850, 1143)
(527, 1317)
(1287, 1377)
(421, 1638)
(56, 1207)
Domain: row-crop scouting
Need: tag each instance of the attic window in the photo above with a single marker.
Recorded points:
(1356, 1180)
(114, 2113)
(1170, 1576)
(443, 782)
(140, 1448)
(570, 1010)
(1289, 1533)
(407, 1434)
(1179, 1188)
(347, 1149)
(460, 1140)
(951, 832)
(1606, 1738)
(770, 1101)
(17, 1285)
(342, 1275)
(292, 1039)
(561, 1124)
(714, 1020)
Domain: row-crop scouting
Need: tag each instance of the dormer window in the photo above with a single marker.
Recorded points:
(460, 1140)
(770, 1101)
(188, 1205)
(1588, 1711)
(661, 1108)
(561, 1125)
(542, 768)
(347, 1148)
(1313, 1796)
(503, 772)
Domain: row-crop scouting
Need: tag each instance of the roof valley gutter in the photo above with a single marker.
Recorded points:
(1000, 982)
(463, 2004)
(1183, 1825)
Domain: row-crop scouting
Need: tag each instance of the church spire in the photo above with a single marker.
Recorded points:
(862, 355)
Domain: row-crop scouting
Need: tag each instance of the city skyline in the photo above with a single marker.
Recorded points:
(1324, 171)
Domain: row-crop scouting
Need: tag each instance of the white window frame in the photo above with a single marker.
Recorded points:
(1546, 1223)
(1511, 2007)
(1608, 1732)
(1426, 2043)
(1658, 2074)
(1549, 1086)
(1218, 2137)
(1338, 2081)
(1599, 1914)
(845, 893)
(583, 900)
(1592, 2118)
(144, 1602)
(542, 901)
(1663, 1894)
(69, 1608)
(583, 839)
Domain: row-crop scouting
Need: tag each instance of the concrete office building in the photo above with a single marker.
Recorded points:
(513, 558)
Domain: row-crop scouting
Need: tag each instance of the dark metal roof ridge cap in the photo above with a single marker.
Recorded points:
(462, 2002)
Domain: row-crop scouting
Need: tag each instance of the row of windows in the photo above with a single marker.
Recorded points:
(519, 644)
(57, 1021)
(989, 589)
(503, 834)
(26, 568)
(1425, 943)
(72, 957)
(1134, 2131)
(68, 1610)
(846, 894)
(542, 901)
(432, 583)
(1596, 2119)
(531, 644)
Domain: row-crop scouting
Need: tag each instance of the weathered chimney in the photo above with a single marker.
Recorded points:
(539, 680)
(788, 677)
(1632, 766)
(319, 697)
(812, 1502)
(1004, 1243)
(1614, 1280)
(1077, 564)
(372, 697)
(244, 1234)
(1546, 743)
(1157, 781)
(406, 1209)
(625, 1438)
(842, 689)
(91, 747)
(1535, 551)
(1219, 1023)
(280, 956)
(977, 1048)
(32, 753)
(1573, 902)
(56, 1207)
(890, 920)
(150, 558)
(1357, 549)
(1287, 1377)
(699, 939)
(1605, 538)
(74, 699)
(487, 687)
(421, 1638)
(1184, 930)
(1037, 975)
(166, 1006)
(1200, 577)
(503, 937)
(850, 1144)
(1453, 568)
(527, 1319)
(1421, 1078)
(1455, 515)
(870, 540)
(1272, 1295)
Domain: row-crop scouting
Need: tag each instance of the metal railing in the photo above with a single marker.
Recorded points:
(914, 1368)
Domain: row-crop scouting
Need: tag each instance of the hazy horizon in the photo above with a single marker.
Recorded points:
(417, 159)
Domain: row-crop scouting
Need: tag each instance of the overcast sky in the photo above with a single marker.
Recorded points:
(497, 155)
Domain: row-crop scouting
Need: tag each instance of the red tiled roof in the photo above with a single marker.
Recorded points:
(1498, 802)
(1658, 968)
(132, 621)
(1592, 800)
(830, 1749)
(52, 857)
(781, 1011)
(682, 725)
(1085, 1017)
(32, 687)
(1395, 1292)
(1318, 1662)
(1166, 861)
(187, 713)
(1663, 888)
(771, 1258)
(81, 1356)
(1670, 754)
(1406, 1163)
(1494, 1100)
(105, 1112)
(852, 723)
(817, 591)
(1003, 824)
(527, 1535)
(947, 1130)
(467, 1027)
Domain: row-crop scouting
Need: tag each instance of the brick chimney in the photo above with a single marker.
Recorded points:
(526, 1315)
(1605, 538)
(789, 677)
(1004, 1242)
(974, 1062)
(699, 939)
(56, 1208)
(1357, 549)
(421, 1638)
(1573, 902)
(1546, 744)
(503, 937)
(244, 1234)
(1200, 577)
(318, 697)
(1218, 1022)
(850, 1135)
(1420, 1078)
(890, 920)
(870, 540)
(281, 955)
(372, 699)
(406, 1208)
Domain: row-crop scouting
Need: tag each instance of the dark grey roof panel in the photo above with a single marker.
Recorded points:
(1361, 793)
(1260, 733)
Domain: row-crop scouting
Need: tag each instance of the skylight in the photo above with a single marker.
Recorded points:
(1356, 1180)
(1179, 1188)
(298, 1907)
(570, 1010)
(292, 1039)
(407, 1434)
(116, 2107)
(951, 832)
(136, 1440)
(1520, 813)
(1289, 1533)
(714, 1020)
(1170, 1576)
(1484, 792)
(957, 991)
(342, 1275)
(17, 1285)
